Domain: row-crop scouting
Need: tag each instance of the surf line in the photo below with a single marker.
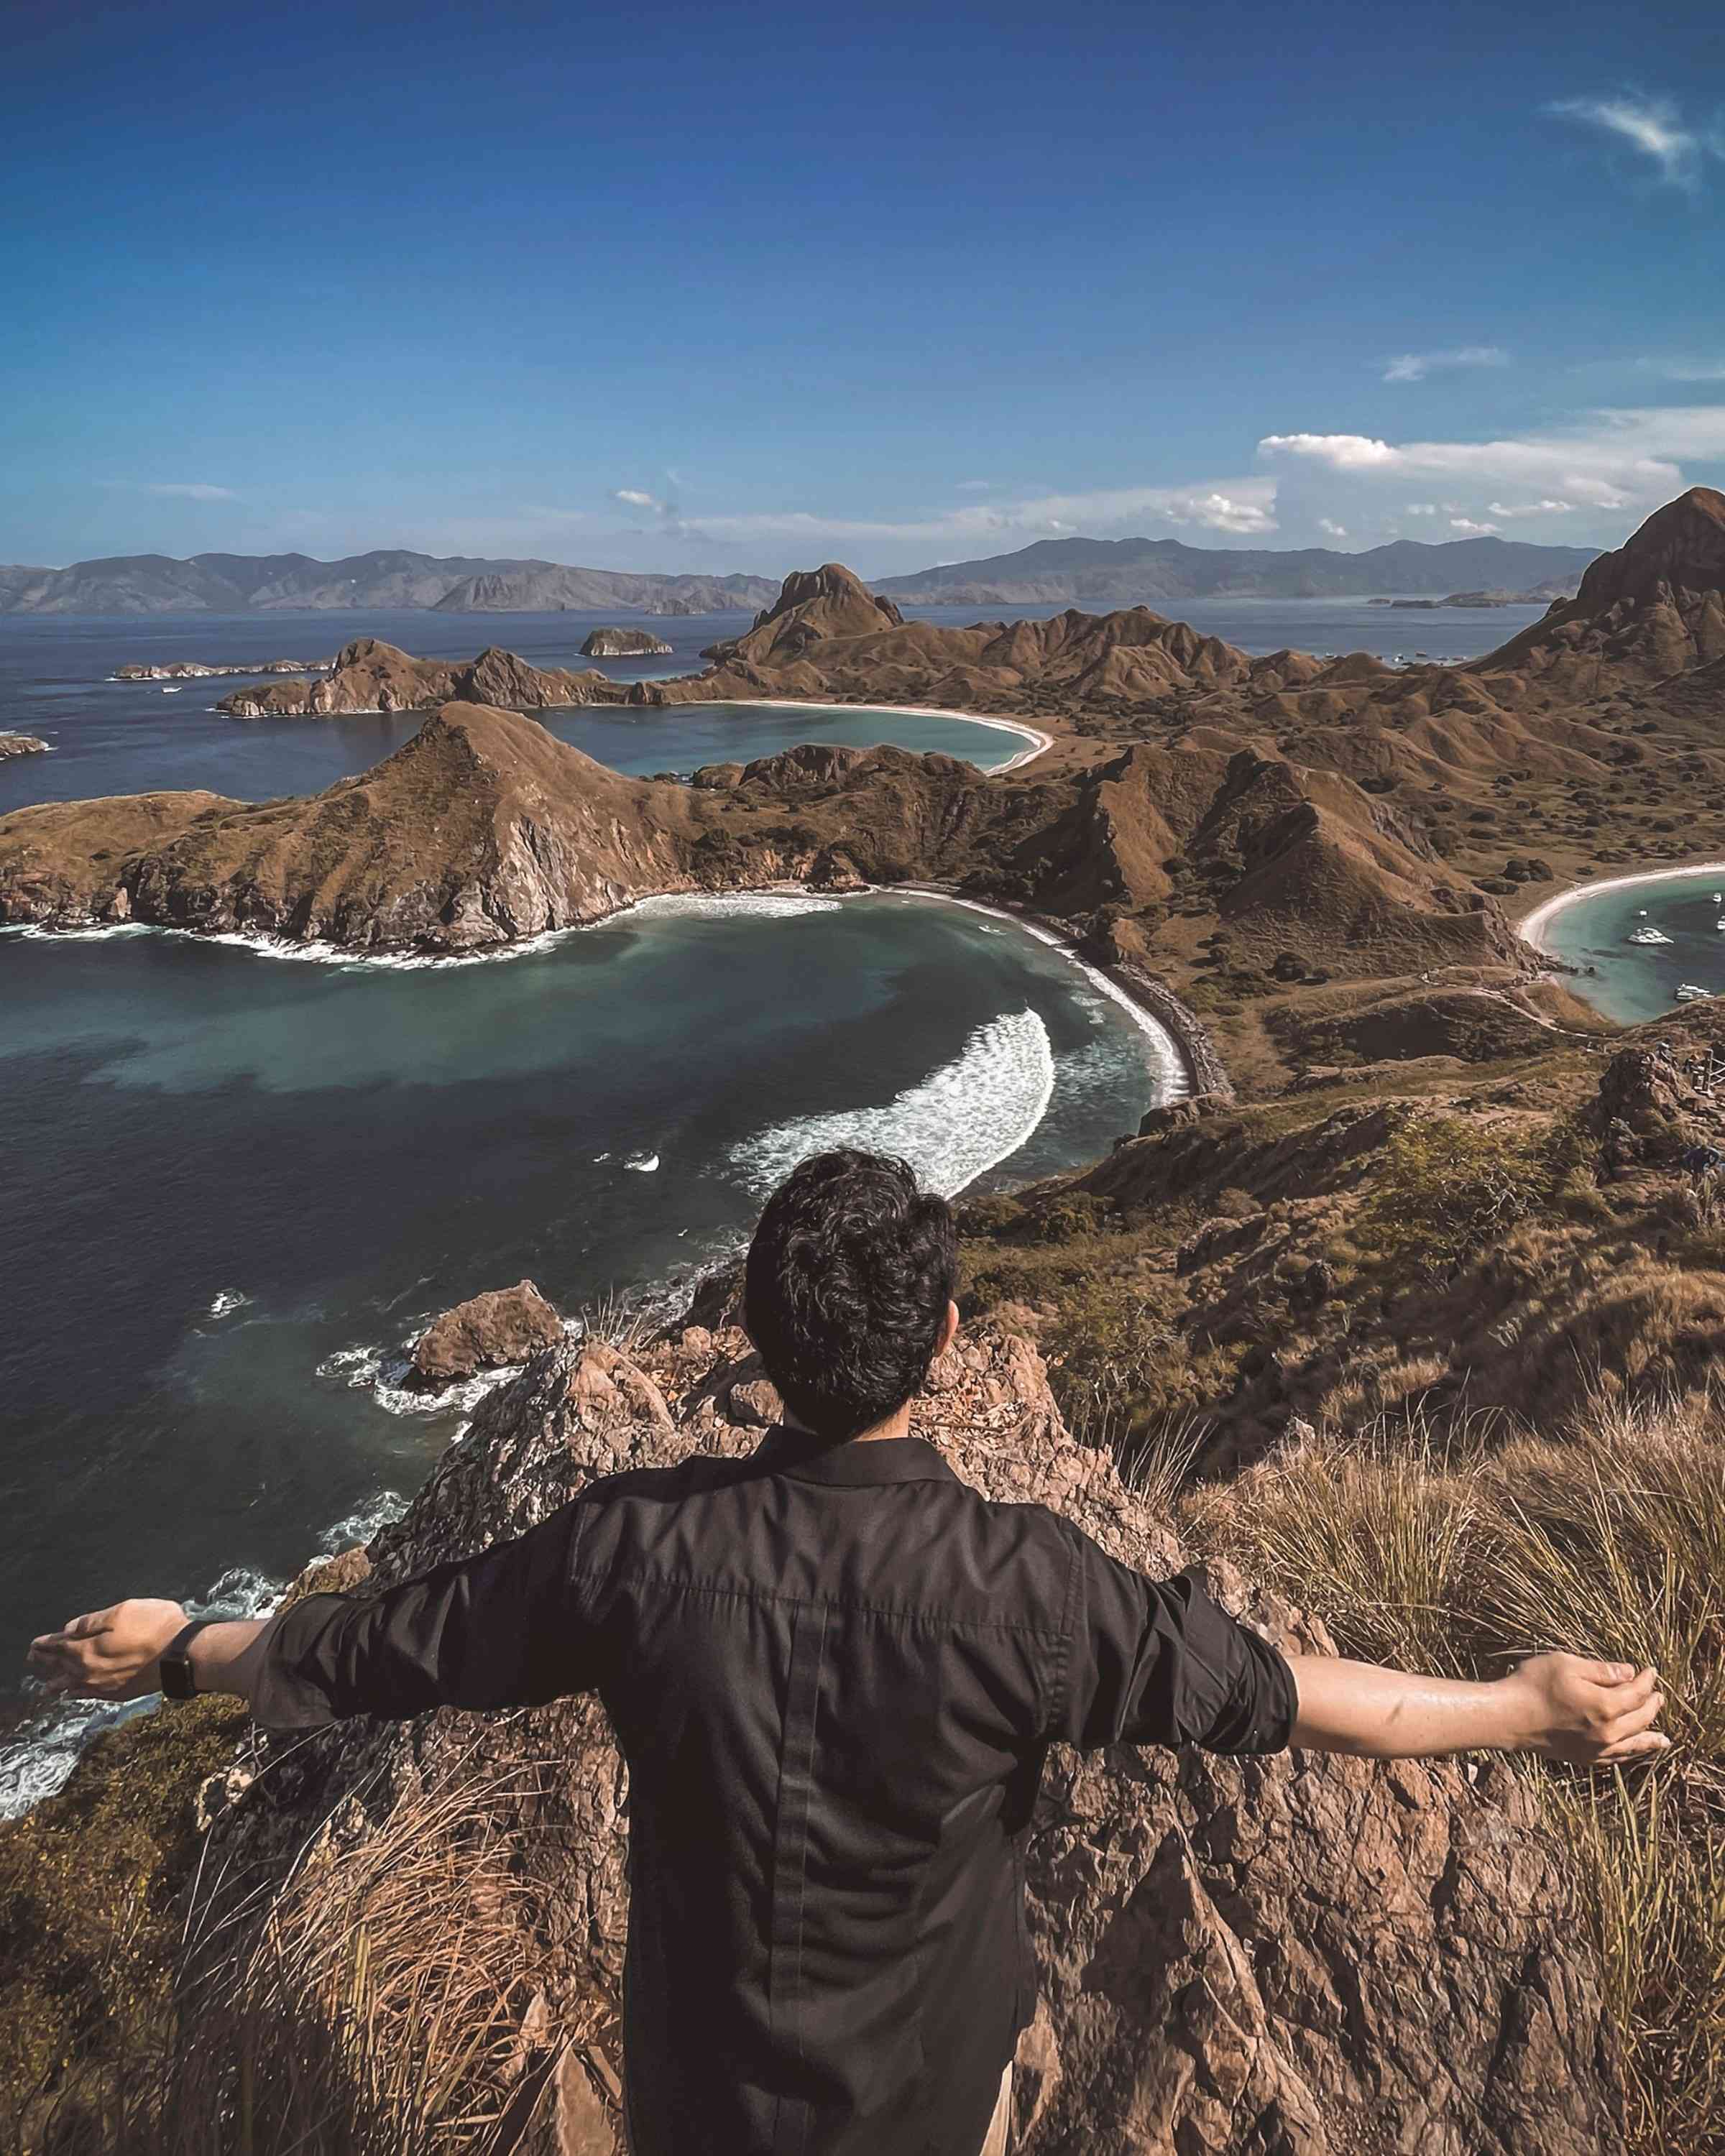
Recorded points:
(1532, 925)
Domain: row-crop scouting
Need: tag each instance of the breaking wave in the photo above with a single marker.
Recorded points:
(957, 1123)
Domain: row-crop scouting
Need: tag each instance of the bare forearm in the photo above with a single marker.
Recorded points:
(1385, 1714)
(1560, 1705)
(228, 1657)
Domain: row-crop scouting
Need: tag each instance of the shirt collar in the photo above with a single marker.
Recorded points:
(805, 1457)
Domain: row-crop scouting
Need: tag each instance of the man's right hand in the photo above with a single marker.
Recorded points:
(1590, 1713)
(108, 1654)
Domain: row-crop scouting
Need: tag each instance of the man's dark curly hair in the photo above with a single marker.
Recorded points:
(846, 1289)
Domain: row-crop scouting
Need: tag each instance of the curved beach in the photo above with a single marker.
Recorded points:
(1531, 926)
(1038, 742)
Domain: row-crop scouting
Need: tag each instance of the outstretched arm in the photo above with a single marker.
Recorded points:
(1561, 1704)
(501, 1628)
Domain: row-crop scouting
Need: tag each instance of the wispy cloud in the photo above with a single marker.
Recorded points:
(1469, 529)
(1415, 366)
(186, 490)
(976, 486)
(1333, 530)
(1652, 126)
(636, 497)
(1546, 508)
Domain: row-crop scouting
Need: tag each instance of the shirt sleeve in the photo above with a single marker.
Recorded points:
(501, 1628)
(1162, 1662)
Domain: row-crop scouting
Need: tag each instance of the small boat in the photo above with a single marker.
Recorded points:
(1720, 922)
(1719, 898)
(170, 692)
(1649, 935)
(1640, 913)
(1689, 994)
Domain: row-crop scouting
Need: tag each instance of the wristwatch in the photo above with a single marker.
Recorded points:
(176, 1663)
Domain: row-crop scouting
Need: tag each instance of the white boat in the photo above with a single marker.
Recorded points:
(1719, 898)
(1649, 935)
(170, 692)
(1689, 994)
(1720, 922)
(1640, 913)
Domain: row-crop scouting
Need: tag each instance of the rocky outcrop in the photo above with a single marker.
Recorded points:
(1304, 1955)
(489, 1332)
(192, 669)
(1653, 608)
(623, 644)
(1650, 1111)
(370, 676)
(21, 745)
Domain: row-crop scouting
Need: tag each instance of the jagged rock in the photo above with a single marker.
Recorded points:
(1647, 1113)
(623, 644)
(486, 1333)
(1299, 1956)
(21, 745)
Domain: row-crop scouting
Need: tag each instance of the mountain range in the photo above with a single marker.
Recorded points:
(1126, 572)
(1058, 572)
(388, 578)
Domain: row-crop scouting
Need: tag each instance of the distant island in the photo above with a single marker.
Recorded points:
(21, 745)
(391, 577)
(625, 643)
(1554, 588)
(1127, 572)
(194, 670)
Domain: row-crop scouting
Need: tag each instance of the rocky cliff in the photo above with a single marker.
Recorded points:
(623, 644)
(1308, 1956)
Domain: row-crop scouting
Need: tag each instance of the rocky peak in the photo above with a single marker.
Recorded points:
(1306, 1954)
(1681, 548)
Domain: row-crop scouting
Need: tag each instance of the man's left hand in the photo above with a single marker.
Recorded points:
(109, 1654)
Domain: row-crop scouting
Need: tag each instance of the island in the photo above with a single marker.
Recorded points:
(623, 644)
(21, 745)
(194, 669)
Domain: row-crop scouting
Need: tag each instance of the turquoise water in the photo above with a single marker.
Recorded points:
(1630, 981)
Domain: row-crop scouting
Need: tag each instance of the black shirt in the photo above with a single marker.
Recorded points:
(835, 1673)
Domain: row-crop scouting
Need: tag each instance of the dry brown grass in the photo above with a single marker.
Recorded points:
(1452, 1550)
(374, 2002)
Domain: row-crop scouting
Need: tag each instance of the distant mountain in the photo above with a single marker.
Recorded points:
(1114, 572)
(388, 577)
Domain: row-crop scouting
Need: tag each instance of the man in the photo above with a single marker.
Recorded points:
(834, 1671)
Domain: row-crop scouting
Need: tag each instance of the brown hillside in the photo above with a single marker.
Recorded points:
(370, 676)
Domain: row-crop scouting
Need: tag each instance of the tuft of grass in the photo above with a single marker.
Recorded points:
(1607, 1538)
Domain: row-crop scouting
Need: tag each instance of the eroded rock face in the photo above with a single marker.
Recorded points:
(486, 1333)
(1650, 1111)
(623, 644)
(1291, 1957)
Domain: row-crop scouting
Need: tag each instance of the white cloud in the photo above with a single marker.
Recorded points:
(1469, 530)
(1335, 530)
(1422, 509)
(976, 486)
(1607, 461)
(634, 497)
(1547, 508)
(1653, 127)
(1415, 366)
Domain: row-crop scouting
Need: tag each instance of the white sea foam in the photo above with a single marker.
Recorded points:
(230, 1299)
(382, 1372)
(645, 1163)
(961, 1121)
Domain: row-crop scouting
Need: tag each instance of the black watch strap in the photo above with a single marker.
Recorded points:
(176, 1664)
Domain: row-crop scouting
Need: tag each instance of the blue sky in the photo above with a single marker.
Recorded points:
(744, 287)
